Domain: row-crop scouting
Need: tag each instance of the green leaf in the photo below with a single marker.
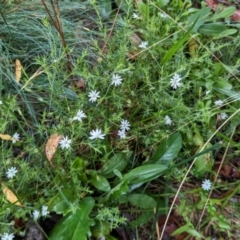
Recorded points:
(105, 7)
(60, 203)
(195, 233)
(226, 33)
(199, 18)
(142, 200)
(118, 161)
(168, 55)
(212, 29)
(223, 84)
(124, 5)
(100, 183)
(168, 149)
(182, 229)
(162, 3)
(144, 173)
(225, 13)
(75, 226)
(142, 219)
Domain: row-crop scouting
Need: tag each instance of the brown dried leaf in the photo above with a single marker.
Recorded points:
(18, 70)
(80, 83)
(10, 196)
(5, 137)
(51, 146)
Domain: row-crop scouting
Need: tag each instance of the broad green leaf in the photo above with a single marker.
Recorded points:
(144, 173)
(212, 29)
(168, 149)
(162, 3)
(105, 7)
(199, 18)
(101, 183)
(118, 161)
(226, 33)
(119, 190)
(195, 233)
(60, 203)
(225, 13)
(78, 164)
(142, 200)
(142, 219)
(223, 84)
(75, 226)
(168, 55)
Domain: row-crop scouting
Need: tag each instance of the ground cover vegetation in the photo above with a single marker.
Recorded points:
(119, 120)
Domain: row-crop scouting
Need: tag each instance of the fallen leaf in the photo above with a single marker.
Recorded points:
(10, 196)
(18, 70)
(51, 146)
(80, 83)
(5, 137)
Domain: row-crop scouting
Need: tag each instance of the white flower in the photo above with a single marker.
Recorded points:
(121, 133)
(36, 214)
(7, 236)
(218, 103)
(45, 211)
(223, 116)
(135, 16)
(80, 115)
(11, 172)
(125, 125)
(168, 120)
(175, 81)
(1, 102)
(143, 45)
(15, 137)
(163, 15)
(96, 134)
(93, 96)
(65, 142)
(116, 80)
(206, 185)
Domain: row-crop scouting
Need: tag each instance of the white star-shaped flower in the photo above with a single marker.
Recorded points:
(218, 103)
(143, 45)
(206, 185)
(168, 120)
(116, 80)
(65, 142)
(175, 81)
(93, 96)
(79, 116)
(121, 133)
(11, 172)
(15, 138)
(125, 125)
(36, 214)
(7, 236)
(223, 116)
(96, 134)
(45, 211)
(135, 16)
